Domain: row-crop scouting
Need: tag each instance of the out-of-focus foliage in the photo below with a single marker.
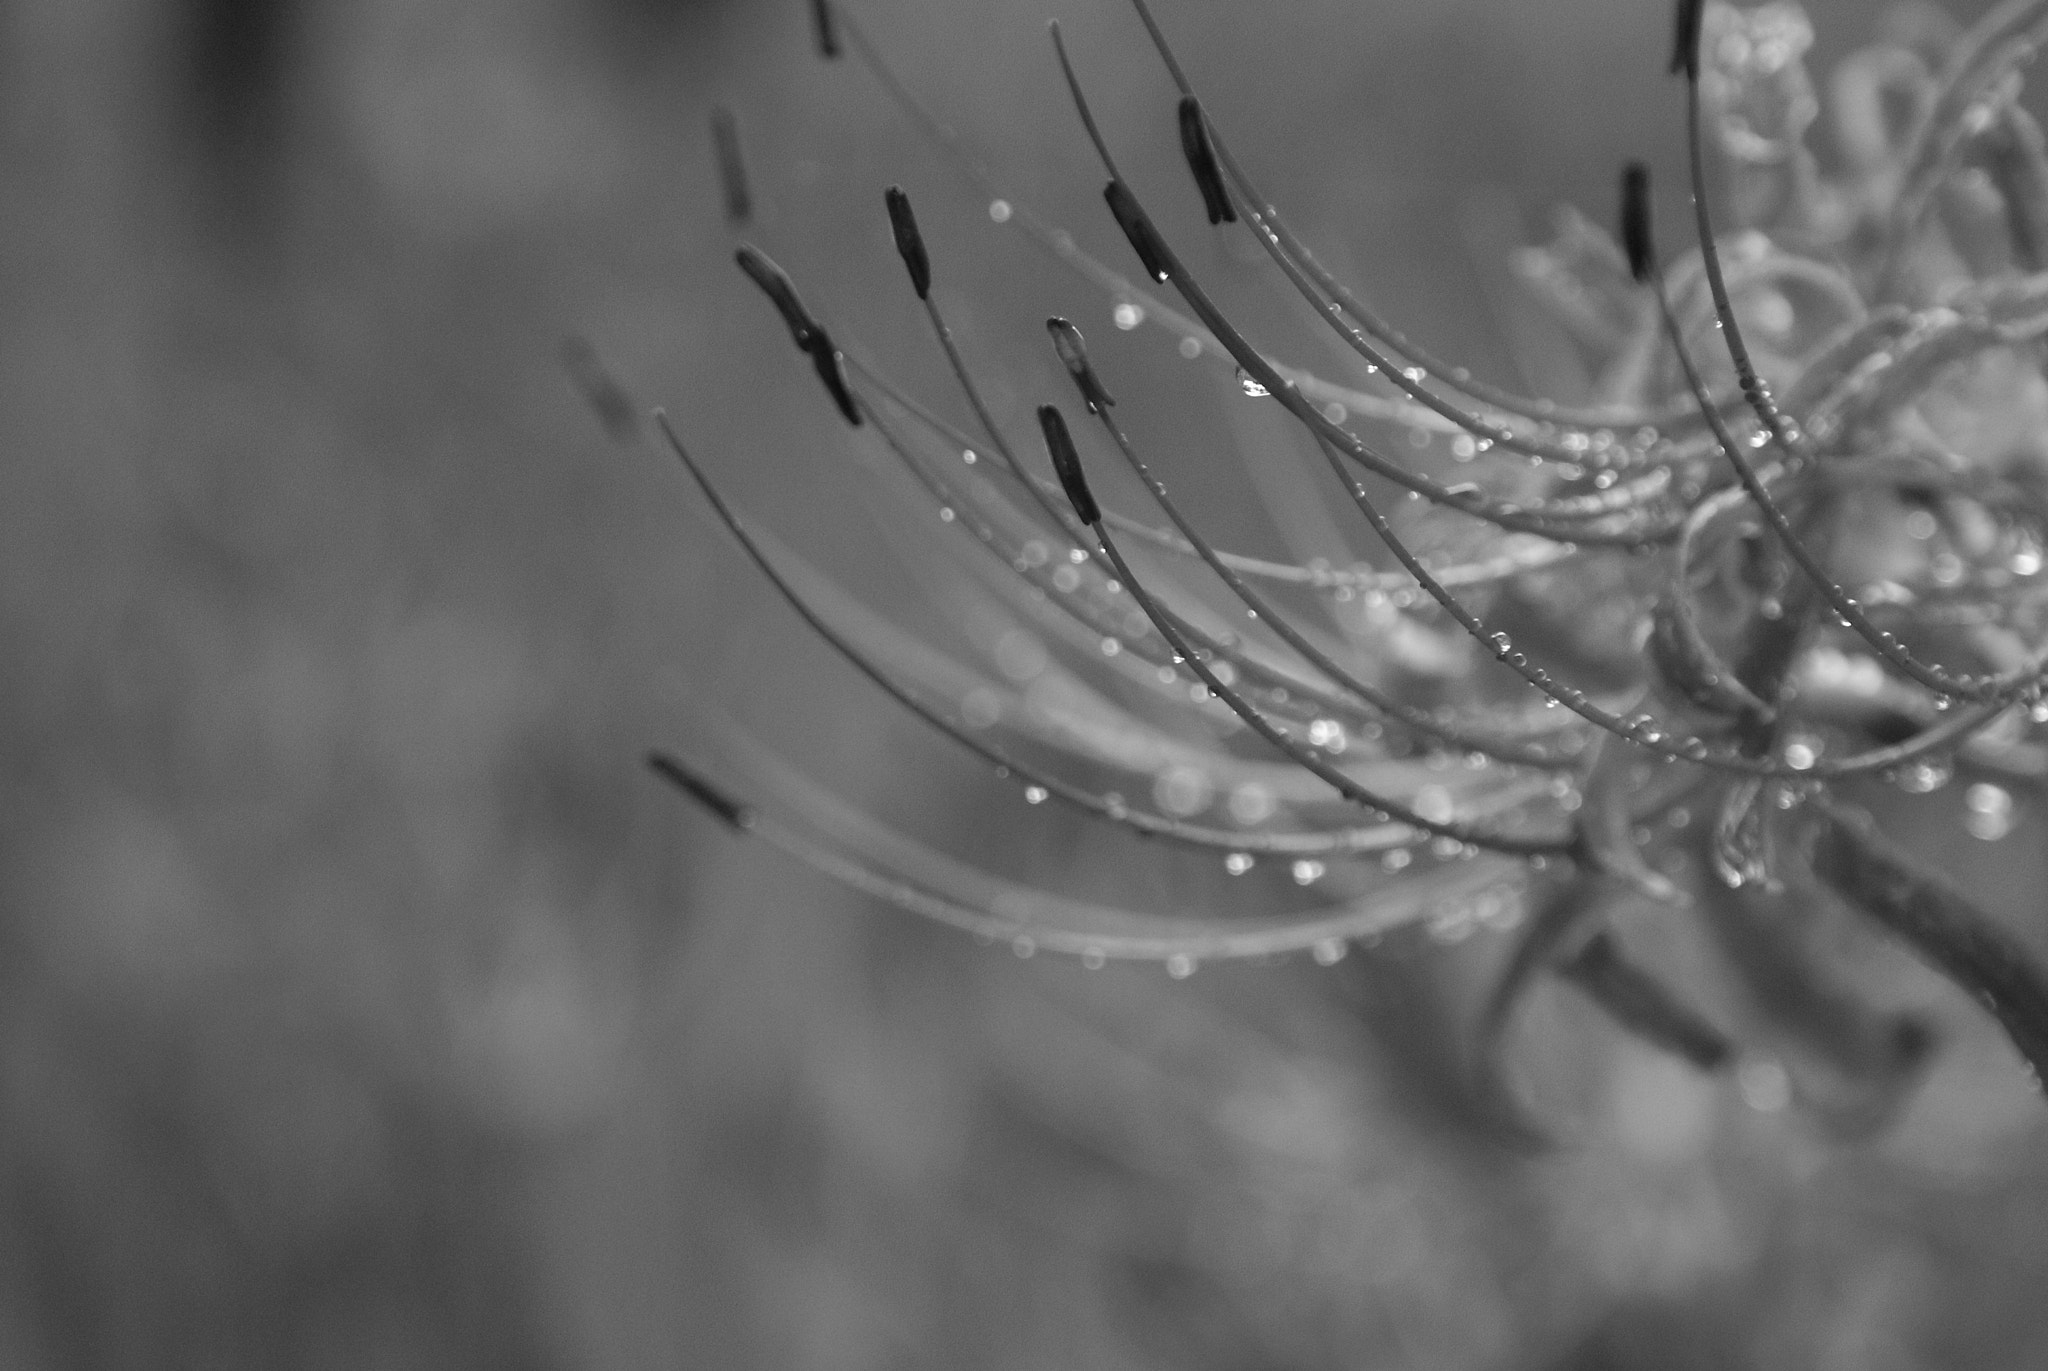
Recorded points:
(366, 1005)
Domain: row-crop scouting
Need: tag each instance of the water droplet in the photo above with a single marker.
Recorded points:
(1433, 803)
(1328, 734)
(1764, 1085)
(1127, 316)
(1741, 838)
(1251, 387)
(1035, 794)
(1093, 958)
(1180, 966)
(999, 210)
(1023, 947)
(1110, 647)
(1191, 348)
(1307, 871)
(1989, 813)
(1452, 924)
(1237, 863)
(1328, 952)
(1335, 412)
(1398, 859)
(1800, 756)
(1924, 777)
(1066, 578)
(1182, 790)
(946, 515)
(1463, 448)
(1251, 803)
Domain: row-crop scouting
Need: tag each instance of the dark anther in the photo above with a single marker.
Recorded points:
(605, 396)
(1067, 463)
(827, 27)
(1644, 1005)
(1073, 351)
(1138, 228)
(720, 805)
(909, 241)
(832, 372)
(1635, 222)
(732, 171)
(1685, 46)
(1194, 143)
(775, 284)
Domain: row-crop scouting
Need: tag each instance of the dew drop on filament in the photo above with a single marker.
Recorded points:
(1127, 316)
(1180, 966)
(1329, 951)
(1923, 777)
(1237, 863)
(1988, 811)
(1035, 794)
(1251, 387)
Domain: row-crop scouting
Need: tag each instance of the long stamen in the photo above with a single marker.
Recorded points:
(1754, 391)
(1101, 806)
(917, 262)
(1068, 463)
(1058, 244)
(892, 867)
(1337, 439)
(1528, 556)
(1279, 241)
(1263, 610)
(1161, 262)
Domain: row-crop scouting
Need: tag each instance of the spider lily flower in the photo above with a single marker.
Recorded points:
(1618, 661)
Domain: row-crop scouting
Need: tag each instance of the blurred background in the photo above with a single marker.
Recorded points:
(363, 1003)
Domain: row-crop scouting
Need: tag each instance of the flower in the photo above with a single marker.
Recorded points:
(1623, 659)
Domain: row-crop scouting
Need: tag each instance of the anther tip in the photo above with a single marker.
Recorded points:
(909, 241)
(1073, 352)
(1635, 222)
(721, 806)
(1137, 227)
(1066, 463)
(826, 27)
(732, 167)
(774, 282)
(1201, 160)
(1685, 45)
(832, 371)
